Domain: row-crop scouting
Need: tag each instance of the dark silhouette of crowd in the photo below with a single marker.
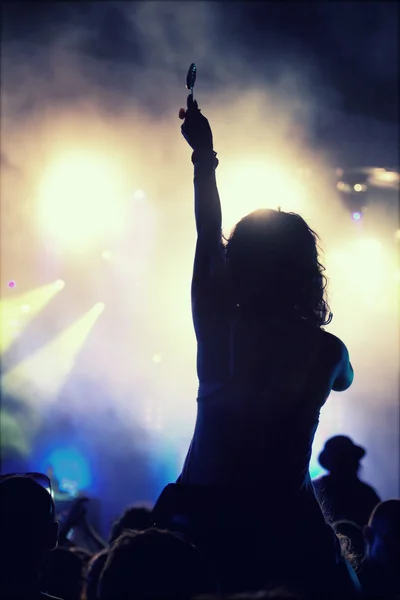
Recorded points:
(244, 518)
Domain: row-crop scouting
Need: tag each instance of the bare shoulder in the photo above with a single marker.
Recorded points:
(335, 348)
(333, 341)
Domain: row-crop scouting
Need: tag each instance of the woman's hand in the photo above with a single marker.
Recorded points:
(195, 128)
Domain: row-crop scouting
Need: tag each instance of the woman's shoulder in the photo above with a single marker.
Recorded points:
(334, 344)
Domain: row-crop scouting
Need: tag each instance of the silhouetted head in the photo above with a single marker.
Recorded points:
(63, 577)
(341, 456)
(153, 564)
(272, 257)
(96, 565)
(137, 518)
(28, 530)
(382, 534)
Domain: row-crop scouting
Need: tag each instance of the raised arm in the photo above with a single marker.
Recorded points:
(209, 264)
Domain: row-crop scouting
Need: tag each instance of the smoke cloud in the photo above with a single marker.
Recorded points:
(109, 78)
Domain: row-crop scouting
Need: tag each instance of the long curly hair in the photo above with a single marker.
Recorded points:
(272, 259)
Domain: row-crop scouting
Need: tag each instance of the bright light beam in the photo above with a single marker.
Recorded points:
(22, 309)
(44, 373)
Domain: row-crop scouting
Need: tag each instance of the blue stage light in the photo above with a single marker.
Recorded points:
(70, 468)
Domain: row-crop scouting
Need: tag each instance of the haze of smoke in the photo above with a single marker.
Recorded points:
(73, 92)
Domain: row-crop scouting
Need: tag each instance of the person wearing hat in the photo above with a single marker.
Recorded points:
(341, 493)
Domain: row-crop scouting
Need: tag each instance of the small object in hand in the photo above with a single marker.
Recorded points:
(182, 113)
(191, 77)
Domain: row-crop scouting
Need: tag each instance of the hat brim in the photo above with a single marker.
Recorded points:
(326, 458)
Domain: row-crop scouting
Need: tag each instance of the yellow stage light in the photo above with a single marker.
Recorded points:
(30, 304)
(44, 373)
(80, 200)
(254, 184)
(106, 255)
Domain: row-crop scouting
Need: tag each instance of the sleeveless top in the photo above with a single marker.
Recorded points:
(256, 428)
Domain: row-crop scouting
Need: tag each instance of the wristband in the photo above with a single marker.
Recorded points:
(204, 157)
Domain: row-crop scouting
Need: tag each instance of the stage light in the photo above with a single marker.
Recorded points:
(29, 303)
(252, 184)
(384, 178)
(43, 373)
(12, 284)
(59, 284)
(397, 234)
(81, 199)
(356, 216)
(106, 255)
(359, 187)
(343, 187)
(157, 359)
(70, 468)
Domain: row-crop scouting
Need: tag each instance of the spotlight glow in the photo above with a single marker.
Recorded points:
(80, 196)
(356, 216)
(107, 255)
(11, 284)
(70, 468)
(270, 186)
(157, 359)
(359, 187)
(343, 187)
(25, 308)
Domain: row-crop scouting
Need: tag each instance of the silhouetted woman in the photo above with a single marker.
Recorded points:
(265, 366)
